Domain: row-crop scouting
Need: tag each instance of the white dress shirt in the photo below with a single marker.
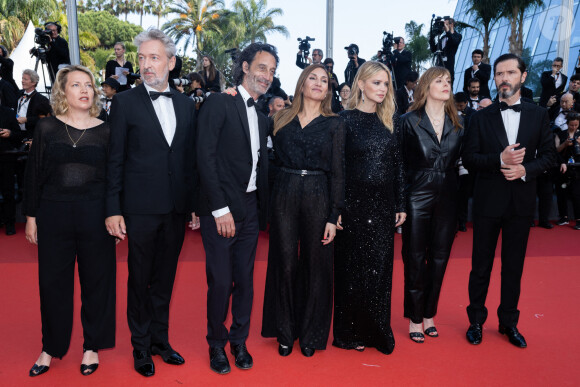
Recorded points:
(558, 79)
(410, 97)
(511, 122)
(23, 107)
(165, 113)
(254, 143)
(560, 121)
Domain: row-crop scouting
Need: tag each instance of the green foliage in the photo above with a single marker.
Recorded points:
(418, 44)
(15, 14)
(107, 28)
(257, 20)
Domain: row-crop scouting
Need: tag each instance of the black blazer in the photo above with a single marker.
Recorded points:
(8, 121)
(486, 138)
(36, 99)
(402, 100)
(549, 87)
(450, 49)
(145, 174)
(402, 66)
(483, 74)
(224, 157)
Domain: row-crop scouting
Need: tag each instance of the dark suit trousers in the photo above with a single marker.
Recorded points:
(154, 245)
(515, 230)
(69, 230)
(465, 192)
(545, 192)
(7, 180)
(230, 273)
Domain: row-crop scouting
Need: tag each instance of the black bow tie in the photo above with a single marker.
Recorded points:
(250, 102)
(155, 94)
(110, 99)
(504, 106)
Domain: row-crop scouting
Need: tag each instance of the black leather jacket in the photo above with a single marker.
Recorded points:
(430, 166)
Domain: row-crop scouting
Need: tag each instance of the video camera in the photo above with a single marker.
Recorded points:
(438, 24)
(304, 46)
(386, 53)
(42, 37)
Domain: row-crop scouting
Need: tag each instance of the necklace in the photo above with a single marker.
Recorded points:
(73, 141)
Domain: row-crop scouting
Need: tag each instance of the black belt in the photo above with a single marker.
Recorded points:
(302, 172)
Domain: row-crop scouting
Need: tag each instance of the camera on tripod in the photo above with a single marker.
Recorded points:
(385, 55)
(438, 25)
(42, 37)
(304, 45)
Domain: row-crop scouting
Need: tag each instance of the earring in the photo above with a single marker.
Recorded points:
(362, 92)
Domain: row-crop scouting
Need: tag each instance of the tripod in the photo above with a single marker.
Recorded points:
(40, 54)
(438, 59)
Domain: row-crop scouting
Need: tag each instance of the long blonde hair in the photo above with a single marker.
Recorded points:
(421, 93)
(385, 109)
(58, 97)
(284, 117)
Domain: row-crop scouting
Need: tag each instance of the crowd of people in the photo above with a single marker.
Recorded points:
(332, 171)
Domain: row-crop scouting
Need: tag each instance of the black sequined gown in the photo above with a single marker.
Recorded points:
(363, 273)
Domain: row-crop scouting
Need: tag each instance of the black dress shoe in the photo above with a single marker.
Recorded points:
(284, 350)
(462, 227)
(143, 363)
(218, 361)
(38, 370)
(307, 351)
(11, 230)
(514, 336)
(243, 358)
(546, 225)
(168, 354)
(87, 369)
(474, 334)
(532, 224)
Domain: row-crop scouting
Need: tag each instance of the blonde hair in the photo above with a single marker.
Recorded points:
(58, 96)
(285, 116)
(385, 109)
(421, 93)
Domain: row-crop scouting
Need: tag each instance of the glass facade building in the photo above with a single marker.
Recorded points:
(540, 42)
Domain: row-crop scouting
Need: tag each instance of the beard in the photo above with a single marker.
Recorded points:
(513, 89)
(153, 81)
(254, 84)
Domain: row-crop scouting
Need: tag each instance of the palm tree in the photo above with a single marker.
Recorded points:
(418, 44)
(198, 20)
(157, 8)
(487, 13)
(514, 11)
(125, 7)
(140, 8)
(257, 19)
(15, 14)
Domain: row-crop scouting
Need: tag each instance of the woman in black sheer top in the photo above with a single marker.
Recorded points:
(374, 207)
(64, 206)
(306, 201)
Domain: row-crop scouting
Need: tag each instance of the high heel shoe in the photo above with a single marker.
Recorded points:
(432, 332)
(87, 369)
(38, 370)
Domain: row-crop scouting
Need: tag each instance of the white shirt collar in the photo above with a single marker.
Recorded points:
(149, 88)
(244, 93)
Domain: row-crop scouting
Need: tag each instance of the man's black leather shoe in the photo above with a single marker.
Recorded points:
(474, 334)
(10, 229)
(308, 352)
(284, 350)
(546, 225)
(514, 336)
(168, 354)
(143, 363)
(243, 358)
(218, 361)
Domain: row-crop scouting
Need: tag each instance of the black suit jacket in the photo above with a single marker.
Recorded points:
(145, 174)
(402, 66)
(486, 138)
(450, 49)
(483, 74)
(402, 100)
(8, 121)
(549, 87)
(8, 95)
(224, 157)
(36, 99)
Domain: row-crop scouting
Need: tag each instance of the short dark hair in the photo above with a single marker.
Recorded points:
(327, 61)
(397, 39)
(575, 77)
(558, 59)
(248, 55)
(510, 56)
(460, 97)
(572, 116)
(274, 98)
(196, 77)
(412, 76)
(477, 51)
(451, 20)
(473, 80)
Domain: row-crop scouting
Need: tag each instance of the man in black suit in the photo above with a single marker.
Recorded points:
(29, 99)
(473, 93)
(508, 145)
(448, 43)
(404, 96)
(150, 186)
(553, 82)
(480, 71)
(401, 61)
(232, 161)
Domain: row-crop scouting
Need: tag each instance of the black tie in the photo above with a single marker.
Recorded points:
(250, 102)
(504, 106)
(155, 94)
(110, 99)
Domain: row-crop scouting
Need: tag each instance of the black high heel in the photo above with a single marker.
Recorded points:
(87, 369)
(38, 370)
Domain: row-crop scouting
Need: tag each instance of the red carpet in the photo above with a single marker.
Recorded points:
(550, 320)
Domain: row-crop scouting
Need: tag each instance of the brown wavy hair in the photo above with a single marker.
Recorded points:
(285, 116)
(385, 109)
(58, 96)
(422, 91)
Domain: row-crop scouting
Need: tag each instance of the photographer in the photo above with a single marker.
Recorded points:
(303, 60)
(333, 79)
(401, 61)
(568, 184)
(353, 65)
(447, 42)
(57, 50)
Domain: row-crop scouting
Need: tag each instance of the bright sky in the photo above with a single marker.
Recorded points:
(360, 21)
